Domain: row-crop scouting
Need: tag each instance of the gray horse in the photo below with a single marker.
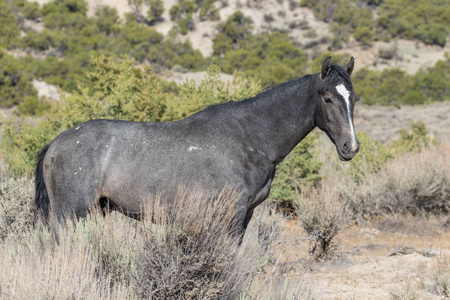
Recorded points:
(237, 144)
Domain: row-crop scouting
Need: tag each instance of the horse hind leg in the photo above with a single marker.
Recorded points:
(104, 205)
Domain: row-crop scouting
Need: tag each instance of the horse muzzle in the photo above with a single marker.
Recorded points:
(348, 150)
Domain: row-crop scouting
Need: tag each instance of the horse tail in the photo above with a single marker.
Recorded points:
(41, 201)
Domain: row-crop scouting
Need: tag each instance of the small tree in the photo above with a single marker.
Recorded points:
(363, 35)
(155, 11)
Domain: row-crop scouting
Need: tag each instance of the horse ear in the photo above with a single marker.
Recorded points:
(349, 67)
(326, 67)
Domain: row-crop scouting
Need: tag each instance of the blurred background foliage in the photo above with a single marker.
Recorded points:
(428, 21)
(60, 53)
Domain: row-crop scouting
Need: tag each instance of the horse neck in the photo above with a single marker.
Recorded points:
(280, 117)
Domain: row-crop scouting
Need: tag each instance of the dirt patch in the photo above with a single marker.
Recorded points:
(46, 90)
(375, 264)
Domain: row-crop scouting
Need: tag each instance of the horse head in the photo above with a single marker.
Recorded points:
(335, 101)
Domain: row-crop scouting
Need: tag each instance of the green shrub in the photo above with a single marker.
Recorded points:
(183, 27)
(72, 38)
(412, 139)
(434, 82)
(431, 27)
(299, 168)
(32, 106)
(421, 20)
(116, 90)
(31, 10)
(107, 20)
(345, 16)
(65, 14)
(395, 86)
(14, 82)
(237, 27)
(155, 11)
(209, 12)
(363, 35)
(9, 32)
(434, 34)
(269, 57)
(371, 157)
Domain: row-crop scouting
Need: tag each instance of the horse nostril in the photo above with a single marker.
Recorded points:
(345, 147)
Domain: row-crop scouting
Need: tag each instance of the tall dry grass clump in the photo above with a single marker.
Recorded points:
(323, 215)
(16, 205)
(413, 182)
(38, 268)
(191, 251)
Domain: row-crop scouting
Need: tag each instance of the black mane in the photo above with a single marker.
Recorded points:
(273, 89)
(338, 72)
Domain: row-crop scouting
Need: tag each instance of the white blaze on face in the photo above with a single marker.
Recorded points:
(346, 95)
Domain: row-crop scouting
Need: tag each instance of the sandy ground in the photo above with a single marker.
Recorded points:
(376, 259)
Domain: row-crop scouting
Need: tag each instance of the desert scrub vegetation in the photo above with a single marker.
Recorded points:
(270, 57)
(414, 182)
(189, 250)
(16, 205)
(411, 175)
(185, 12)
(323, 214)
(70, 38)
(15, 85)
(442, 276)
(182, 252)
(393, 19)
(395, 87)
(60, 53)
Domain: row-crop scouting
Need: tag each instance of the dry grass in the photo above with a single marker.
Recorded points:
(406, 292)
(16, 202)
(416, 182)
(283, 288)
(34, 266)
(442, 276)
(277, 250)
(323, 214)
(186, 252)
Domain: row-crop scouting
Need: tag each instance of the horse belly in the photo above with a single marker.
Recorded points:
(132, 184)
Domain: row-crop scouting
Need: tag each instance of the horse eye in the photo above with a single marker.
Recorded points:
(327, 99)
(357, 99)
